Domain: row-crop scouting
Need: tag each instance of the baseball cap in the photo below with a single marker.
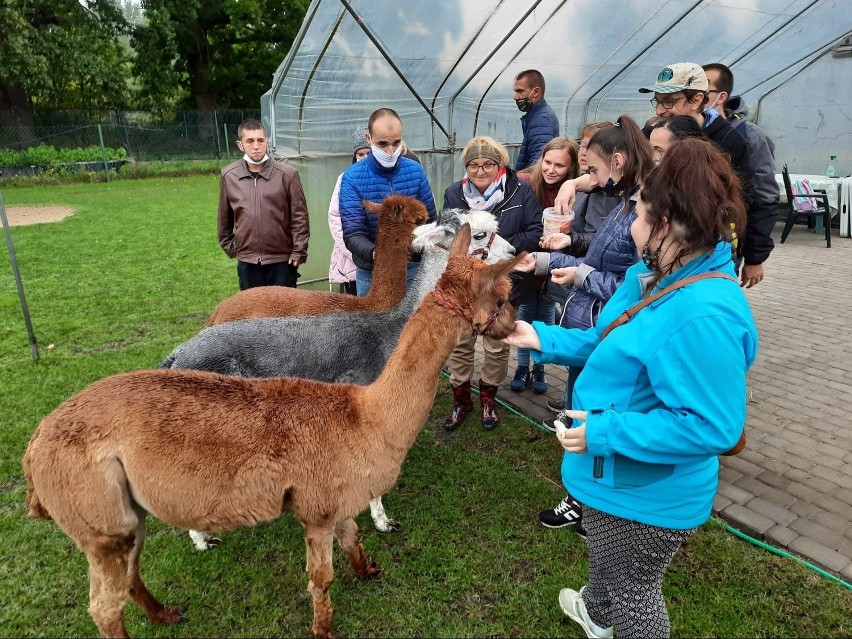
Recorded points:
(677, 77)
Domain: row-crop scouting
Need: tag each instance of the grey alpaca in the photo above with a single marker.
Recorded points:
(351, 347)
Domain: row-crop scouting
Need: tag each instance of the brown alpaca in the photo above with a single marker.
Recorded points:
(139, 443)
(398, 215)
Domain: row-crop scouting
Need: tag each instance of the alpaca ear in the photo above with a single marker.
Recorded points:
(428, 235)
(507, 266)
(372, 207)
(461, 242)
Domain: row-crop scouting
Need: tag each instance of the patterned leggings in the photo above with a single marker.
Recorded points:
(627, 561)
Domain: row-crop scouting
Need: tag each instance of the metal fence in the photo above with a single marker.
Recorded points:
(189, 135)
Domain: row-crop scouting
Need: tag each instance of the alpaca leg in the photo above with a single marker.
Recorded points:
(203, 540)
(153, 609)
(318, 542)
(380, 517)
(347, 535)
(109, 586)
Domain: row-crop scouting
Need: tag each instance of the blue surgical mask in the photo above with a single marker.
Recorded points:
(387, 161)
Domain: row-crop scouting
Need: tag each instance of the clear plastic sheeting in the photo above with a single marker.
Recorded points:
(448, 67)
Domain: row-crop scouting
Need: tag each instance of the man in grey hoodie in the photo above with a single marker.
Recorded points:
(761, 154)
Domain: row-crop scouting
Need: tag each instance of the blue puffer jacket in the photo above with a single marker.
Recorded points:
(665, 394)
(540, 125)
(611, 252)
(369, 180)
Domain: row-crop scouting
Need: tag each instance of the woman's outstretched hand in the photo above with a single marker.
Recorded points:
(527, 264)
(555, 241)
(524, 336)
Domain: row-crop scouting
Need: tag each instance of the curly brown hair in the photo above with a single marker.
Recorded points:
(695, 189)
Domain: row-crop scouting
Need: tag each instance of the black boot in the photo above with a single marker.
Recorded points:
(488, 401)
(462, 405)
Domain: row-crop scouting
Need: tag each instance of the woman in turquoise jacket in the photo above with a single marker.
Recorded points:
(660, 397)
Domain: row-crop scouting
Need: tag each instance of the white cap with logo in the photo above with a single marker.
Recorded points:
(677, 77)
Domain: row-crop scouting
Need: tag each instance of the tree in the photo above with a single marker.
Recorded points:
(61, 54)
(208, 54)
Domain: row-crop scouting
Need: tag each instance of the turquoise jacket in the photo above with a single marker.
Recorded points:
(665, 394)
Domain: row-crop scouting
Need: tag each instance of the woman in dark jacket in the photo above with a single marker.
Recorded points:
(489, 185)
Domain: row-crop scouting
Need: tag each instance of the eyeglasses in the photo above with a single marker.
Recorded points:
(474, 168)
(667, 103)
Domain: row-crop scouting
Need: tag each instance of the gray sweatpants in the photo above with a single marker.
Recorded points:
(627, 561)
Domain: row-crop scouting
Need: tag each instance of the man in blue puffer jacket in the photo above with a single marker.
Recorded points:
(538, 122)
(384, 172)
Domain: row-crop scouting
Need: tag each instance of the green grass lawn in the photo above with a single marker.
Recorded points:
(136, 271)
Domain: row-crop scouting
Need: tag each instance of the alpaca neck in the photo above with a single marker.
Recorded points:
(431, 268)
(405, 391)
(390, 271)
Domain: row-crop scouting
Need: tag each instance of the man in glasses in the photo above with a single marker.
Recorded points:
(683, 89)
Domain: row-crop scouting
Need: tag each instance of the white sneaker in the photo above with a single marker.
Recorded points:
(572, 605)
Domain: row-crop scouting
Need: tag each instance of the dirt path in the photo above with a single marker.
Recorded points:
(21, 215)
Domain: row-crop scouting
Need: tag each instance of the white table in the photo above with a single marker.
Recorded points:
(831, 186)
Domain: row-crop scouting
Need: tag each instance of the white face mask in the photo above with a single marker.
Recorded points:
(387, 161)
(250, 161)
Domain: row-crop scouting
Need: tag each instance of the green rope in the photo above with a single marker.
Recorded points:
(725, 525)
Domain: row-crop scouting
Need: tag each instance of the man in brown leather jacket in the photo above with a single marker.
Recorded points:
(263, 216)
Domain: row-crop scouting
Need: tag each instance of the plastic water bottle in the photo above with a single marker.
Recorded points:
(830, 170)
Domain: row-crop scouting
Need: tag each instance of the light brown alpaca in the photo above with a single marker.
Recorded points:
(398, 216)
(140, 443)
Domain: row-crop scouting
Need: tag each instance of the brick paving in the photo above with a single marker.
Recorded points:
(792, 485)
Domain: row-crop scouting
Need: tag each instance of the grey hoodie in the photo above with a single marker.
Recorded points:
(761, 151)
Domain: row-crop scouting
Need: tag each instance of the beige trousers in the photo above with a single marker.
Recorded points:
(495, 363)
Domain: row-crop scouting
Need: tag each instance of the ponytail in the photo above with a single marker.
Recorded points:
(626, 138)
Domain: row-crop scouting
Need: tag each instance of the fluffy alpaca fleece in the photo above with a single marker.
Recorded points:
(335, 347)
(398, 217)
(138, 442)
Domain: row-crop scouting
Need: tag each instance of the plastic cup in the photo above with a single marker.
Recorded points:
(554, 223)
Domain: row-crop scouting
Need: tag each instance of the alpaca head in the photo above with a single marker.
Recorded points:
(485, 243)
(398, 213)
(478, 291)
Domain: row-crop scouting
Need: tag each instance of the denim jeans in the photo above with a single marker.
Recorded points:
(364, 279)
(539, 310)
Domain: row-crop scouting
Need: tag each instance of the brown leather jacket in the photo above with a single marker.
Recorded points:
(263, 219)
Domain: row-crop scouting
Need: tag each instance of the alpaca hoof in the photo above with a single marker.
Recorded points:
(203, 541)
(170, 615)
(371, 571)
(324, 634)
(388, 525)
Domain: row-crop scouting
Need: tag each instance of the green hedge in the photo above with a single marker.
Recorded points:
(45, 155)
